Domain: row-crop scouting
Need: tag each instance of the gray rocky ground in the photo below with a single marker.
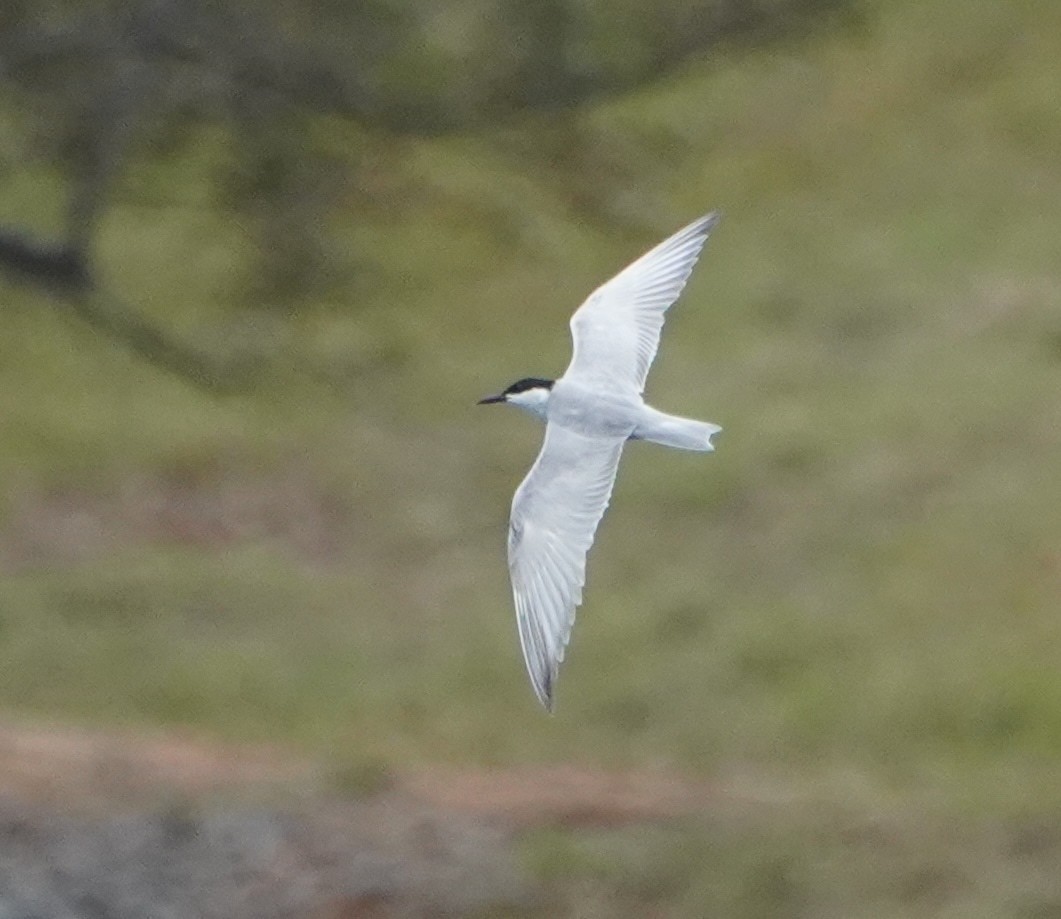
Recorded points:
(111, 825)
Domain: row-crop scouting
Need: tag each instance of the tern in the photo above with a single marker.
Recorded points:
(590, 414)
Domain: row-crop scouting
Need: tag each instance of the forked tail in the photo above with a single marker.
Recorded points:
(672, 431)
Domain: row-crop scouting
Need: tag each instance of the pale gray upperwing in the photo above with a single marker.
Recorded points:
(555, 513)
(616, 331)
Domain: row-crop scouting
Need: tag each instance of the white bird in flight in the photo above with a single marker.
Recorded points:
(590, 413)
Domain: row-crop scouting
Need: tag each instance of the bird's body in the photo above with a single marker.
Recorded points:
(591, 412)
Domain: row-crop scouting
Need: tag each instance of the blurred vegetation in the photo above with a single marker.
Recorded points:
(357, 234)
(114, 82)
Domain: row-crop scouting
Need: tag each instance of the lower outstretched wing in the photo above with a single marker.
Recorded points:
(555, 513)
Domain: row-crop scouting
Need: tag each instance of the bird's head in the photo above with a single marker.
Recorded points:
(530, 394)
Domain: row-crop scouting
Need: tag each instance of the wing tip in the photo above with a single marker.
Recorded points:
(692, 237)
(543, 685)
(708, 222)
(541, 665)
(549, 702)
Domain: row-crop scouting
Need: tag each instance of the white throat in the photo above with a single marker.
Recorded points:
(533, 401)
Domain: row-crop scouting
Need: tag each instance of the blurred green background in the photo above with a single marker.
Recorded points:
(259, 264)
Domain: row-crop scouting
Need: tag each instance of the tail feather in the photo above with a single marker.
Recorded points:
(672, 431)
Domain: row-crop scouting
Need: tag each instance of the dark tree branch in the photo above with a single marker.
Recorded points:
(56, 266)
(128, 328)
(112, 123)
(126, 80)
(64, 273)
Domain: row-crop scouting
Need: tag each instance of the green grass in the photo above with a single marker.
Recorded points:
(857, 595)
(804, 861)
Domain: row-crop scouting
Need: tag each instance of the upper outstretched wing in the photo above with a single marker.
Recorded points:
(616, 331)
(555, 513)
